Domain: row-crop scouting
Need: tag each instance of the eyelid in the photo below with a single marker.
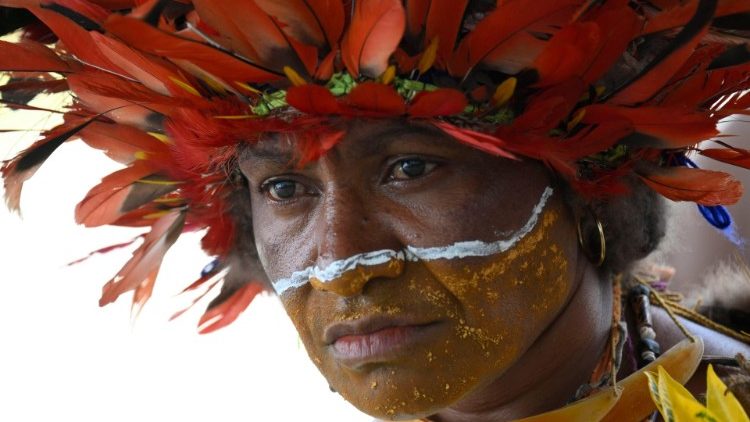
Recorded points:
(395, 160)
(308, 188)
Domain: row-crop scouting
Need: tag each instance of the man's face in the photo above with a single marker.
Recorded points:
(415, 268)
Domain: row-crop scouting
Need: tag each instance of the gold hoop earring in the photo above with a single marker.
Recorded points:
(602, 241)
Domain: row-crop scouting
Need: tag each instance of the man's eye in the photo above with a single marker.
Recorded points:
(280, 190)
(411, 168)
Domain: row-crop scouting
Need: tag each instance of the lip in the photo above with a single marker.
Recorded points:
(375, 339)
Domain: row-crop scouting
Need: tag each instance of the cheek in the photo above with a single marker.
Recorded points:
(507, 300)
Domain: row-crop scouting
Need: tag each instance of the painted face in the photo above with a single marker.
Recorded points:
(415, 269)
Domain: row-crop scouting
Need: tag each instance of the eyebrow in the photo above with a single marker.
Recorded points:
(283, 153)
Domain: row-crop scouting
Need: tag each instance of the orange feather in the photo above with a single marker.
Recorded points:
(28, 55)
(122, 143)
(227, 311)
(374, 33)
(734, 156)
(119, 193)
(142, 268)
(704, 187)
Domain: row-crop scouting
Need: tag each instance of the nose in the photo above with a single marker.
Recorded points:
(353, 248)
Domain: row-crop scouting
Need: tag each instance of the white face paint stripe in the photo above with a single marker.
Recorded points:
(472, 248)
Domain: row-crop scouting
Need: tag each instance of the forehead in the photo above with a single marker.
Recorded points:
(361, 137)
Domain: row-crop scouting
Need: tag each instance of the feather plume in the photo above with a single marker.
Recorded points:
(650, 80)
(123, 143)
(442, 102)
(734, 156)
(667, 127)
(443, 23)
(481, 141)
(213, 61)
(76, 40)
(155, 77)
(28, 55)
(504, 37)
(24, 90)
(416, 18)
(315, 22)
(374, 99)
(106, 249)
(121, 192)
(312, 99)
(704, 187)
(257, 36)
(373, 35)
(227, 311)
(18, 170)
(681, 12)
(587, 49)
(143, 267)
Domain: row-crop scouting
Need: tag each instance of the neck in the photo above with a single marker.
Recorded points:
(555, 366)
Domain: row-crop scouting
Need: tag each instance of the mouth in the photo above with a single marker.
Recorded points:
(376, 339)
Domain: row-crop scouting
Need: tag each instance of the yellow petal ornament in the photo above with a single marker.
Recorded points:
(676, 404)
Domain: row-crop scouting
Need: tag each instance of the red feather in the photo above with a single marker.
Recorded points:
(481, 141)
(106, 250)
(218, 64)
(442, 102)
(588, 49)
(444, 22)
(503, 35)
(315, 22)
(373, 35)
(374, 99)
(119, 193)
(143, 267)
(23, 166)
(255, 35)
(75, 40)
(672, 127)
(29, 55)
(569, 53)
(660, 70)
(152, 75)
(227, 311)
(312, 99)
(704, 187)
(120, 142)
(734, 156)
(416, 18)
(681, 13)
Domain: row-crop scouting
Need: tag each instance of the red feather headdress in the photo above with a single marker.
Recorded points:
(170, 88)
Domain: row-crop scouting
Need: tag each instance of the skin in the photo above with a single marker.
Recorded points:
(500, 337)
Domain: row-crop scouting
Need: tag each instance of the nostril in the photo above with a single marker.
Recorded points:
(353, 281)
